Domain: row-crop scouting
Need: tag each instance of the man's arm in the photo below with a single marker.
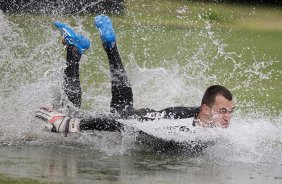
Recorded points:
(101, 124)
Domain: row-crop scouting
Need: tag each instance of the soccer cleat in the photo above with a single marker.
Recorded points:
(107, 33)
(58, 122)
(71, 38)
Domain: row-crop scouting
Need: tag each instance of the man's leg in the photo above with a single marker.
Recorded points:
(71, 76)
(76, 46)
(122, 96)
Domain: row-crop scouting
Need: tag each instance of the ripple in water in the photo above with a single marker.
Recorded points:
(29, 80)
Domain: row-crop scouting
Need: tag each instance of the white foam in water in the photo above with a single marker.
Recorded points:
(249, 139)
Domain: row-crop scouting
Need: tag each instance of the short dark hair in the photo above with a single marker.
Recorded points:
(212, 92)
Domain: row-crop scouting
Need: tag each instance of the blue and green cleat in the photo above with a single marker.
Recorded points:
(72, 38)
(107, 33)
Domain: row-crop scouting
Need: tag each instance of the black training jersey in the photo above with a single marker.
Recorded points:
(168, 113)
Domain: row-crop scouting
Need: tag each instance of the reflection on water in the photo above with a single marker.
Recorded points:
(82, 166)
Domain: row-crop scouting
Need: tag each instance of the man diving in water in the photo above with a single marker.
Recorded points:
(215, 110)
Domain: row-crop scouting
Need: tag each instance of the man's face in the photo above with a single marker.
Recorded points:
(221, 112)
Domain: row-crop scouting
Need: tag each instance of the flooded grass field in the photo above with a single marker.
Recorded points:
(172, 51)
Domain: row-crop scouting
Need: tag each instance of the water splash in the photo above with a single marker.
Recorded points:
(29, 75)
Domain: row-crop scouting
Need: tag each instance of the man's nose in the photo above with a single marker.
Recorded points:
(227, 116)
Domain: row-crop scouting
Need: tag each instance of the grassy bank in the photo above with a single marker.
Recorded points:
(180, 13)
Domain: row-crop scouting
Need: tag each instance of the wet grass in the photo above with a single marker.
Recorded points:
(8, 180)
(152, 31)
(253, 33)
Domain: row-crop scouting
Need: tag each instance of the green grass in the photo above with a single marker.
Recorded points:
(254, 34)
(235, 41)
(8, 180)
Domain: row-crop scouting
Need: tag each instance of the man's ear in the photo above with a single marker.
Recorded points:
(205, 109)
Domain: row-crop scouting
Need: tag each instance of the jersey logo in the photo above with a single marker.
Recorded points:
(153, 116)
